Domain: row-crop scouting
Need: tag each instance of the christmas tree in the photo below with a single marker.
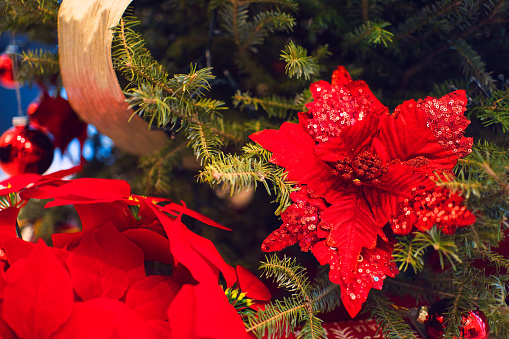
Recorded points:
(370, 133)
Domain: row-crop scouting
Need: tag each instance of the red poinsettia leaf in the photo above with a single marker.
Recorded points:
(17, 183)
(352, 228)
(8, 217)
(173, 207)
(154, 246)
(182, 249)
(374, 266)
(105, 264)
(404, 135)
(39, 299)
(341, 77)
(208, 251)
(251, 285)
(56, 116)
(87, 321)
(396, 186)
(447, 122)
(5, 331)
(292, 148)
(151, 297)
(182, 313)
(66, 241)
(126, 322)
(160, 328)
(94, 215)
(84, 191)
(17, 249)
(202, 311)
(353, 140)
(327, 255)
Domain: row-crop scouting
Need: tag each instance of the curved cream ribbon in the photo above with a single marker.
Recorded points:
(84, 39)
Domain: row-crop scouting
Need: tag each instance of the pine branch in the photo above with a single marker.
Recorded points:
(255, 32)
(275, 106)
(371, 32)
(298, 63)
(281, 317)
(494, 110)
(288, 274)
(38, 64)
(29, 16)
(472, 64)
(204, 142)
(240, 173)
(392, 324)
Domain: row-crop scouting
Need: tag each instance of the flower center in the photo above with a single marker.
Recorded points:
(366, 168)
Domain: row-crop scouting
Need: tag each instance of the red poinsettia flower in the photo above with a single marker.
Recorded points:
(101, 270)
(357, 163)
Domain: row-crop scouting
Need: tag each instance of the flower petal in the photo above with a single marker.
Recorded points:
(39, 298)
(251, 285)
(151, 297)
(292, 148)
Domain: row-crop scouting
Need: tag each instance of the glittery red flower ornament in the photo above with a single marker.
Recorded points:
(357, 165)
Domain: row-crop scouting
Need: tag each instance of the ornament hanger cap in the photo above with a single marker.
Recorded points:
(422, 315)
(20, 121)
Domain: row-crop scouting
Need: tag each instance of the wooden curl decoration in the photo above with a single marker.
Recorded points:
(84, 39)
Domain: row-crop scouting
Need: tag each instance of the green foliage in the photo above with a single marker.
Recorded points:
(494, 110)
(371, 32)
(281, 316)
(391, 322)
(38, 65)
(298, 63)
(36, 17)
(275, 106)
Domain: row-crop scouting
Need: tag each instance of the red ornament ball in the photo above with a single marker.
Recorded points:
(24, 149)
(475, 323)
(6, 73)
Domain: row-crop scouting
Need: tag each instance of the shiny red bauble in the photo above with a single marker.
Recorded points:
(6, 71)
(24, 149)
(475, 324)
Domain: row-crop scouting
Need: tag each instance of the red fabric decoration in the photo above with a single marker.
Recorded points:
(359, 167)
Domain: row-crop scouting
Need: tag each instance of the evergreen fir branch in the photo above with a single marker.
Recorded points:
(234, 17)
(325, 296)
(254, 150)
(312, 329)
(34, 16)
(158, 166)
(255, 32)
(277, 320)
(391, 323)
(406, 255)
(204, 143)
(298, 63)
(372, 32)
(494, 110)
(493, 257)
(234, 172)
(36, 65)
(409, 251)
(471, 63)
(275, 106)
(240, 173)
(287, 274)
